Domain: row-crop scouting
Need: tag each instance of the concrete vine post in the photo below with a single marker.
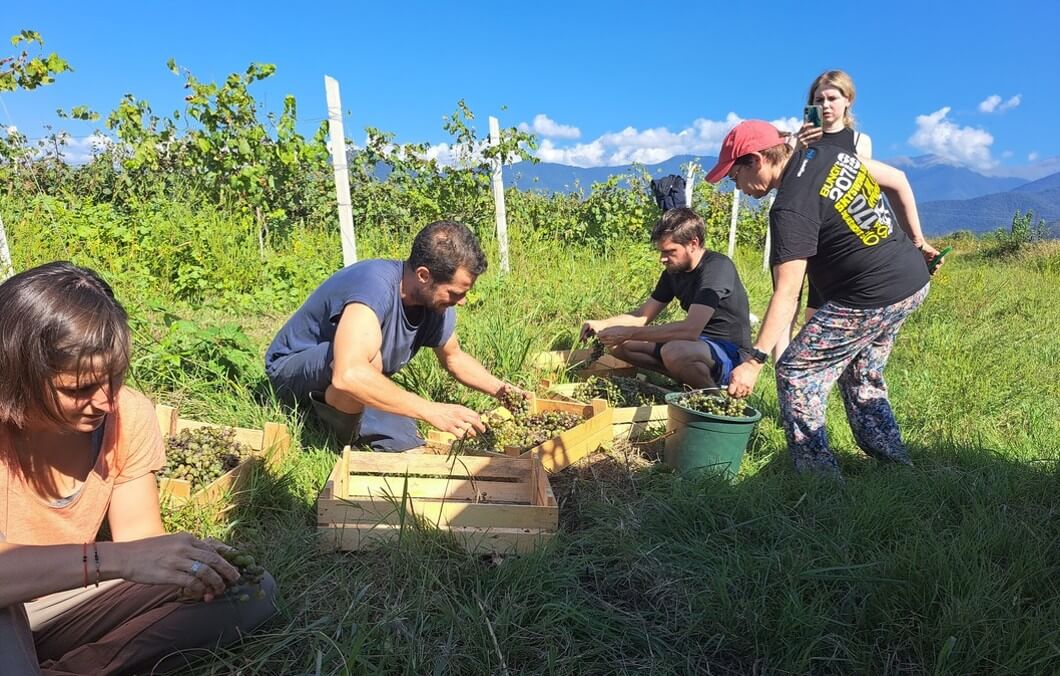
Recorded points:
(498, 195)
(6, 267)
(732, 223)
(337, 145)
(690, 182)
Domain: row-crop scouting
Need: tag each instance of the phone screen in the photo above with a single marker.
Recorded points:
(812, 115)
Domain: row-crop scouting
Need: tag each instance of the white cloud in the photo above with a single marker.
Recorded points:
(649, 146)
(961, 146)
(80, 150)
(989, 104)
(1033, 156)
(546, 127)
(993, 104)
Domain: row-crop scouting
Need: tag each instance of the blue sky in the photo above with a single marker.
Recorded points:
(603, 83)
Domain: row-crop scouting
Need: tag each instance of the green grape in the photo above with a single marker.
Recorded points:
(250, 575)
(619, 391)
(720, 404)
(516, 403)
(522, 433)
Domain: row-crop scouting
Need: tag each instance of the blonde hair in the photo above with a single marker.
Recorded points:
(836, 79)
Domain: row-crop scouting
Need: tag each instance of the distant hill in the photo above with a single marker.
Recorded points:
(549, 177)
(989, 212)
(1050, 181)
(932, 180)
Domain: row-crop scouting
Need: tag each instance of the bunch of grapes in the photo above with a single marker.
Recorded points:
(201, 455)
(597, 350)
(715, 404)
(250, 575)
(619, 391)
(516, 403)
(522, 432)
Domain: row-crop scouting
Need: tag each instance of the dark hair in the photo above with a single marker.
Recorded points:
(56, 318)
(681, 225)
(445, 246)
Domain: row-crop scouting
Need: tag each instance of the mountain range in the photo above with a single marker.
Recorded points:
(948, 198)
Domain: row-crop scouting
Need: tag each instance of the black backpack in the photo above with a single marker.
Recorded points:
(669, 192)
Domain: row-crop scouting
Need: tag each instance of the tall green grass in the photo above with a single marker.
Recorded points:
(950, 567)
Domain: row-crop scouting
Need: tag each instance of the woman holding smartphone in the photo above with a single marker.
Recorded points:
(833, 93)
(78, 447)
(830, 222)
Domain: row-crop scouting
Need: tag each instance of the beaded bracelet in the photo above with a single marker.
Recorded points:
(95, 554)
(84, 561)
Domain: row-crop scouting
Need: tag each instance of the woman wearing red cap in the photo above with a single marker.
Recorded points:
(868, 261)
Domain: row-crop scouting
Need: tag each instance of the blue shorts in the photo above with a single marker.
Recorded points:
(726, 357)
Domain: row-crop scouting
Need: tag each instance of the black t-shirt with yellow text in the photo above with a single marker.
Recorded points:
(831, 211)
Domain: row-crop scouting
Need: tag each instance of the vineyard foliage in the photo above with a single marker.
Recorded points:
(225, 204)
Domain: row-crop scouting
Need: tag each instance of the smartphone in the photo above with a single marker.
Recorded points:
(938, 259)
(812, 115)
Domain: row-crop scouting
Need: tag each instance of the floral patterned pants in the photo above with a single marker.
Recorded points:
(852, 346)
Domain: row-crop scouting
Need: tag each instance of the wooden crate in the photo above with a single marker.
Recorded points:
(627, 421)
(561, 360)
(571, 446)
(269, 445)
(494, 503)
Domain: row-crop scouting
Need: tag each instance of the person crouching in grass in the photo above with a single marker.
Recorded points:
(701, 349)
(76, 447)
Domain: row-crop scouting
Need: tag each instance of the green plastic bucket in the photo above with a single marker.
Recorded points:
(699, 442)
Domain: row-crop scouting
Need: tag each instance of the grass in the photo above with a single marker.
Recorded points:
(950, 567)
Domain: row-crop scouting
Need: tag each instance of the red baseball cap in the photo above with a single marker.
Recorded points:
(750, 136)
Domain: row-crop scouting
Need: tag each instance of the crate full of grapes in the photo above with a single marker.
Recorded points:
(561, 432)
(489, 504)
(205, 462)
(637, 403)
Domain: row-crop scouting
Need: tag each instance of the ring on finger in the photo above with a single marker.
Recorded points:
(196, 566)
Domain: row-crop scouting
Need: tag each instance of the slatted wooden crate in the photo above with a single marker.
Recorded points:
(572, 445)
(496, 503)
(562, 360)
(627, 421)
(269, 445)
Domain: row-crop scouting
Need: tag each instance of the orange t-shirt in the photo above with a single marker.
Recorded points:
(132, 447)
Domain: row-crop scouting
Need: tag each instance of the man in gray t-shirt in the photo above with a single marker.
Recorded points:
(365, 322)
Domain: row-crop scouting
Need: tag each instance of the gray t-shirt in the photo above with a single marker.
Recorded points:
(375, 283)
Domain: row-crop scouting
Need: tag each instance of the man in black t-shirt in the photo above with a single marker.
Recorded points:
(702, 349)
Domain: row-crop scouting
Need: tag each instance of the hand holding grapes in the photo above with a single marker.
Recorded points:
(590, 328)
(509, 392)
(453, 418)
(743, 379)
(179, 559)
(615, 335)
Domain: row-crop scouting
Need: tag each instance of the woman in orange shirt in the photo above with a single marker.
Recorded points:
(76, 446)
